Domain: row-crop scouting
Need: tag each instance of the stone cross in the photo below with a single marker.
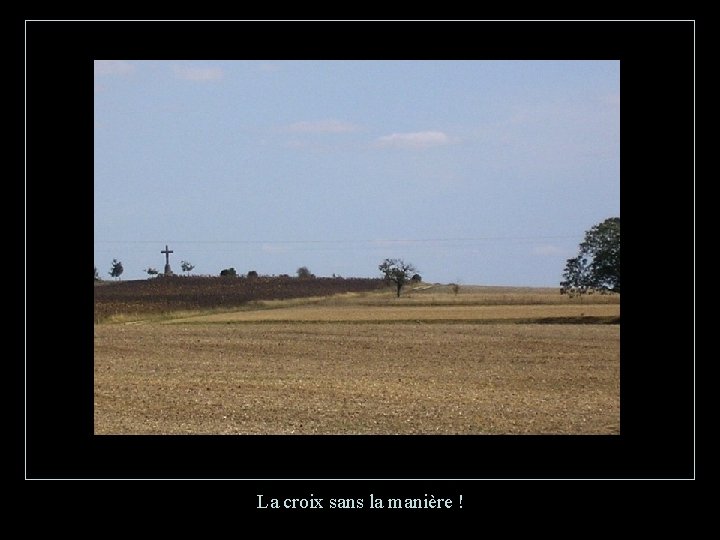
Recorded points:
(167, 252)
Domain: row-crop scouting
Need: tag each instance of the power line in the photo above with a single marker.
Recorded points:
(377, 242)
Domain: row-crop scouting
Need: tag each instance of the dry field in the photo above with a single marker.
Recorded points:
(409, 313)
(367, 363)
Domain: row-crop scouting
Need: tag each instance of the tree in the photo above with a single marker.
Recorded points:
(97, 277)
(117, 269)
(228, 272)
(151, 271)
(577, 275)
(397, 271)
(303, 272)
(598, 262)
(186, 266)
(602, 246)
(252, 274)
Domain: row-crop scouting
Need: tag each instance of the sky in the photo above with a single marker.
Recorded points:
(476, 172)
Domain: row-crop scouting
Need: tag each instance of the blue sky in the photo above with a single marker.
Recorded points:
(482, 172)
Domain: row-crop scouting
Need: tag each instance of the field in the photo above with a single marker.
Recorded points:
(488, 360)
(166, 295)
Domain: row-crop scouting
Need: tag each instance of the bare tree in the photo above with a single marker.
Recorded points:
(397, 271)
(186, 266)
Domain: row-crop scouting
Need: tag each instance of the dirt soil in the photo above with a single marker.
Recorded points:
(350, 378)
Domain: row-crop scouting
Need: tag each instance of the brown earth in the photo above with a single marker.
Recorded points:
(168, 294)
(361, 377)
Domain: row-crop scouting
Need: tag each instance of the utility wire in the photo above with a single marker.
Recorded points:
(379, 242)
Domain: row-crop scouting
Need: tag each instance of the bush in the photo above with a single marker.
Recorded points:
(252, 274)
(228, 272)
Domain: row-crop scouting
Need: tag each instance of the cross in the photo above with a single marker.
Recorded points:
(167, 253)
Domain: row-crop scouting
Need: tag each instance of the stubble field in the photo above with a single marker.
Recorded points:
(485, 361)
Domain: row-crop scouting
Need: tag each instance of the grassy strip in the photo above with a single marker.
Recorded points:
(254, 305)
(542, 320)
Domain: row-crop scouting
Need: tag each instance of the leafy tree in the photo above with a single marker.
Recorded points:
(417, 278)
(303, 272)
(598, 262)
(117, 269)
(577, 275)
(602, 245)
(228, 272)
(186, 266)
(397, 271)
(252, 274)
(151, 272)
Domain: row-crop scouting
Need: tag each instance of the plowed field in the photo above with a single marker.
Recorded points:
(351, 367)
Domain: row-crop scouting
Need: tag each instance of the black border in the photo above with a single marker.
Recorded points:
(657, 196)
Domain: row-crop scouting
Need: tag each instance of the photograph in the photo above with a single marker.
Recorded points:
(357, 247)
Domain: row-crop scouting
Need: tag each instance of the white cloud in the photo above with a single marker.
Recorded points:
(113, 67)
(321, 126)
(418, 139)
(193, 73)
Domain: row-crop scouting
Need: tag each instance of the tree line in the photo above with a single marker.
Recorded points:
(116, 270)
